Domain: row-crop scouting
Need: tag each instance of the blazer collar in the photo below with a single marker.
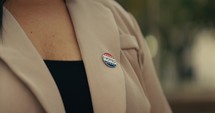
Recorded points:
(96, 33)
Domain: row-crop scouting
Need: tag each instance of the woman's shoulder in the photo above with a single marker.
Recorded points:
(114, 7)
(123, 18)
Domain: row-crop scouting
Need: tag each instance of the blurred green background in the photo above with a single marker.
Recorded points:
(181, 38)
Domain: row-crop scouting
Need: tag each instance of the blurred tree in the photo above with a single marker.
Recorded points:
(173, 23)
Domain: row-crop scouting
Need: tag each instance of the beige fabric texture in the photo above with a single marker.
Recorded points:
(26, 85)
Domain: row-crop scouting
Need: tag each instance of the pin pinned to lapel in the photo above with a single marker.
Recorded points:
(109, 60)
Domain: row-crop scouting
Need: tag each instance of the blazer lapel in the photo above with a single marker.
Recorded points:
(21, 57)
(97, 34)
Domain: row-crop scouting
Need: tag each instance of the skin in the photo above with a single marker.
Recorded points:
(48, 26)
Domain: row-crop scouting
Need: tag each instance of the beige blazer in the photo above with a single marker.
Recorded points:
(26, 85)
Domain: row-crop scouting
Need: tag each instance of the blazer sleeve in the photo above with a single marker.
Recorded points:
(149, 78)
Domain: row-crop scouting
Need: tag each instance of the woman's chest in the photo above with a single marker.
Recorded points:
(49, 28)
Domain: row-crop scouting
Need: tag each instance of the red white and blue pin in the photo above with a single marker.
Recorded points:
(109, 60)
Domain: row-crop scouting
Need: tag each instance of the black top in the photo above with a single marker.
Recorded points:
(70, 77)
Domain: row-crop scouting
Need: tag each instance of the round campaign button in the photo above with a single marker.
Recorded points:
(109, 60)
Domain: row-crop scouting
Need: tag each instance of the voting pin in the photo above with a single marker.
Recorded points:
(109, 60)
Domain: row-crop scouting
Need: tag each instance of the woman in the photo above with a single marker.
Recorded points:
(47, 45)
